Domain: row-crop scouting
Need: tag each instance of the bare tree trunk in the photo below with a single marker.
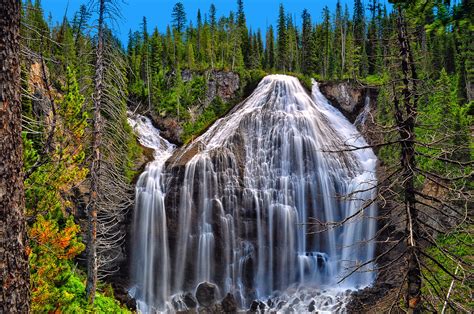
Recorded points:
(408, 162)
(95, 165)
(15, 282)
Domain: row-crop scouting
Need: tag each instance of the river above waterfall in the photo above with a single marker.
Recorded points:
(272, 204)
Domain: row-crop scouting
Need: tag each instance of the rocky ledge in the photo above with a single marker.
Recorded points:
(348, 96)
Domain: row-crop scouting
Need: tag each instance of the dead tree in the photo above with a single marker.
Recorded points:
(13, 252)
(116, 192)
(110, 193)
(96, 160)
(406, 127)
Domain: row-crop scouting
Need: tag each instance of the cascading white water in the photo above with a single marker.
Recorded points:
(362, 117)
(250, 200)
(150, 257)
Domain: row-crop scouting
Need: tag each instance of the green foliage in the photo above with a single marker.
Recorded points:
(376, 80)
(390, 154)
(179, 16)
(134, 151)
(249, 79)
(445, 124)
(69, 296)
(458, 245)
(177, 99)
(56, 284)
(63, 168)
(215, 110)
(53, 247)
(30, 155)
(305, 80)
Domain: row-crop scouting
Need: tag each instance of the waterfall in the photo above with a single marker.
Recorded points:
(362, 117)
(258, 205)
(150, 257)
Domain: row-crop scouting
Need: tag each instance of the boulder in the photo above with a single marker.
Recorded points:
(229, 304)
(206, 294)
(189, 301)
(254, 306)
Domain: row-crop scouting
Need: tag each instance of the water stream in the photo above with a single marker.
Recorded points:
(150, 259)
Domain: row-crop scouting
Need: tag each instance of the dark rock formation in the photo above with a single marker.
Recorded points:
(348, 97)
(220, 84)
(229, 304)
(121, 294)
(189, 301)
(206, 294)
(170, 128)
(254, 306)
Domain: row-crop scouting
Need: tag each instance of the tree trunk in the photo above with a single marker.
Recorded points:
(96, 159)
(14, 297)
(407, 134)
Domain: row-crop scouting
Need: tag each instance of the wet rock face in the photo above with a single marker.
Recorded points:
(170, 128)
(348, 97)
(206, 294)
(190, 301)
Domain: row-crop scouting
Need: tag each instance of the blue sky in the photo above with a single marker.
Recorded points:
(259, 13)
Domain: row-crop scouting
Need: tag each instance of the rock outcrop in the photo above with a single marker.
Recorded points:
(206, 294)
(349, 97)
(222, 84)
(229, 304)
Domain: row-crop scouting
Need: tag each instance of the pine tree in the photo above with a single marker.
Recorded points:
(156, 51)
(245, 38)
(359, 35)
(293, 45)
(213, 27)
(260, 47)
(212, 17)
(190, 55)
(270, 49)
(339, 40)
(80, 22)
(198, 36)
(236, 56)
(359, 23)
(95, 168)
(179, 17)
(306, 65)
(282, 43)
(327, 42)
